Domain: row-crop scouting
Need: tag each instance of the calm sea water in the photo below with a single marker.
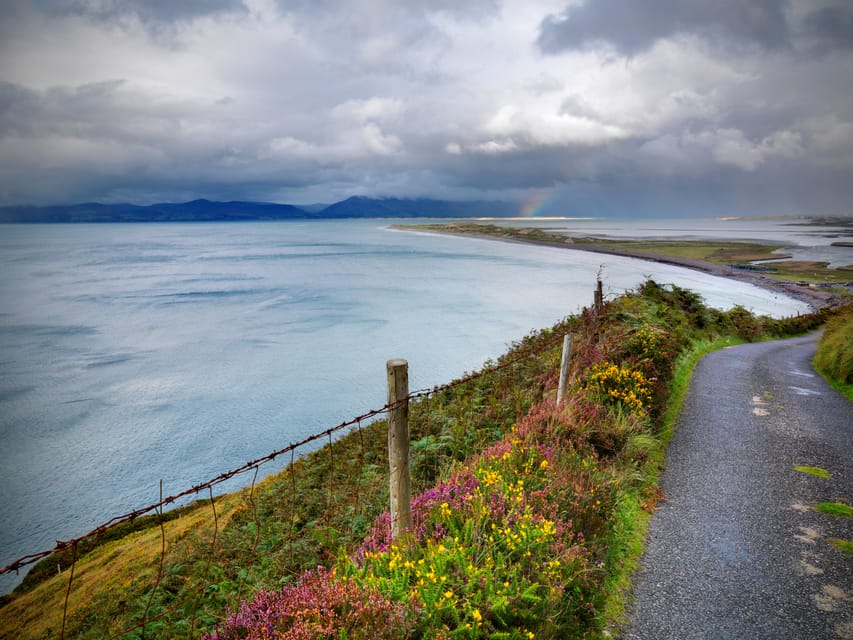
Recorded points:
(131, 354)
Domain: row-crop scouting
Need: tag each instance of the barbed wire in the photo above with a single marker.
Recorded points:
(195, 489)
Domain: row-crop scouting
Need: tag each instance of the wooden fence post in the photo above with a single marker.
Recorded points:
(599, 296)
(398, 447)
(565, 363)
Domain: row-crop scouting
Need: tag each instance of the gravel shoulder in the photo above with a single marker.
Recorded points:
(736, 549)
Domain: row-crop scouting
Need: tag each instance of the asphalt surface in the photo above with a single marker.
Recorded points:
(735, 549)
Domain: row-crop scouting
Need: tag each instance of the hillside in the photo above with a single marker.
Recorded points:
(210, 211)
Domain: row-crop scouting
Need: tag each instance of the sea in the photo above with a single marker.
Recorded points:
(135, 354)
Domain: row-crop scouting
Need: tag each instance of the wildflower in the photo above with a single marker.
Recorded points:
(478, 617)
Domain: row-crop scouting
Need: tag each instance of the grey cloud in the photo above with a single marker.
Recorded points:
(150, 12)
(632, 27)
(101, 111)
(831, 27)
(470, 9)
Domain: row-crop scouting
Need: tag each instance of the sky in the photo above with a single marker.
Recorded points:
(569, 107)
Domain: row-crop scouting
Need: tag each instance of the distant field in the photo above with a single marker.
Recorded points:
(732, 253)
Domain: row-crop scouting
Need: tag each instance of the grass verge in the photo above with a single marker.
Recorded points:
(834, 358)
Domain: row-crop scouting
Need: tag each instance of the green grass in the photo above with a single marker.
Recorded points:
(845, 546)
(835, 509)
(834, 358)
(817, 472)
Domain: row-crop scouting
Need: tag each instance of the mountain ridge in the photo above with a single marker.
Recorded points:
(203, 210)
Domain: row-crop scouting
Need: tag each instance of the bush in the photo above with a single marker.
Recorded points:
(320, 606)
(622, 385)
(489, 555)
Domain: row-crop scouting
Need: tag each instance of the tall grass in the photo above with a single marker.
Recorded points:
(834, 358)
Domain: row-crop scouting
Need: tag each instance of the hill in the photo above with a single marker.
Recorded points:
(210, 211)
(194, 211)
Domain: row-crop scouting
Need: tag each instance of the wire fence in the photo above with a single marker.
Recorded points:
(187, 604)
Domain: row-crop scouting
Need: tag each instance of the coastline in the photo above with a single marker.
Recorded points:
(815, 298)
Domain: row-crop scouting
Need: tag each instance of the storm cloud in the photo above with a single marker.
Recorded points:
(613, 106)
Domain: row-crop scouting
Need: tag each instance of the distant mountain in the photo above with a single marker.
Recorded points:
(362, 207)
(209, 211)
(194, 211)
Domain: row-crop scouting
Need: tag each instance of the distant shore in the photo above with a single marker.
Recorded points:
(812, 296)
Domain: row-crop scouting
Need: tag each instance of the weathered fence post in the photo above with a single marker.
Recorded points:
(398, 447)
(599, 296)
(565, 363)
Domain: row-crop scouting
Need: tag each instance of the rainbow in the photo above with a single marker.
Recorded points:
(537, 203)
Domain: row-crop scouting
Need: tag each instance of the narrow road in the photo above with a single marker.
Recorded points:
(736, 550)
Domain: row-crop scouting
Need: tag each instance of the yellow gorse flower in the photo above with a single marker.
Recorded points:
(623, 385)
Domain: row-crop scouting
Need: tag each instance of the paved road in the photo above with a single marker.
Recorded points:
(735, 550)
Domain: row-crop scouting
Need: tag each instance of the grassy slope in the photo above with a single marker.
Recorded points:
(262, 541)
(834, 358)
(291, 522)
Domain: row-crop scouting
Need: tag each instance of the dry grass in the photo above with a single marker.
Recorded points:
(112, 568)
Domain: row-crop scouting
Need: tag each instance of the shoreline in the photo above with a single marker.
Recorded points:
(815, 298)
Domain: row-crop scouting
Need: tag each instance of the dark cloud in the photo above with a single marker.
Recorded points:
(830, 27)
(631, 27)
(101, 111)
(150, 12)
